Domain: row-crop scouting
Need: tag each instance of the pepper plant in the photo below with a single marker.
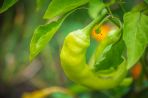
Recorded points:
(121, 40)
(120, 44)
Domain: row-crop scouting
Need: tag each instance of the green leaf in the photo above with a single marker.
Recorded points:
(140, 7)
(43, 35)
(59, 7)
(95, 6)
(7, 4)
(111, 58)
(135, 35)
(42, 4)
(146, 1)
(39, 4)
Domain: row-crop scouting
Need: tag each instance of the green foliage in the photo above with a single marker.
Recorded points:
(60, 7)
(43, 35)
(146, 1)
(7, 4)
(18, 24)
(112, 58)
(41, 3)
(95, 7)
(135, 35)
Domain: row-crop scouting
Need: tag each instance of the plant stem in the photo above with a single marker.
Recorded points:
(122, 8)
(88, 28)
(110, 11)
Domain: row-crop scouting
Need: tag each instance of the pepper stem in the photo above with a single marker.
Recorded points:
(100, 18)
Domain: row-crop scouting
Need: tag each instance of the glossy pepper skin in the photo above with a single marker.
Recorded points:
(73, 60)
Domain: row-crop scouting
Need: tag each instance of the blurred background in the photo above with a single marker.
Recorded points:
(19, 77)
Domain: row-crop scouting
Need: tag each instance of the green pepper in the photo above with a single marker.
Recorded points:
(73, 59)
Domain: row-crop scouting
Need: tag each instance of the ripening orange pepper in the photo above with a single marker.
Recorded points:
(100, 33)
(136, 71)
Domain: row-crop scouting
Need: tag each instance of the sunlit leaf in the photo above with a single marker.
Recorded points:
(135, 35)
(43, 35)
(7, 4)
(59, 7)
(95, 6)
